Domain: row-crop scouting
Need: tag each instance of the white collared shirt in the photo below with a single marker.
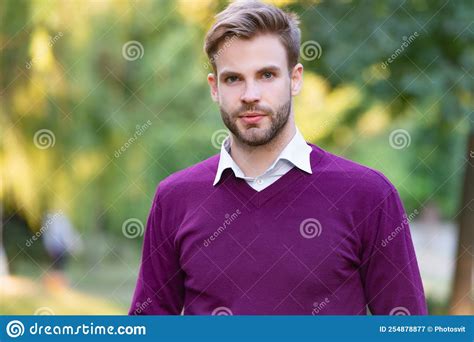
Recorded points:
(296, 153)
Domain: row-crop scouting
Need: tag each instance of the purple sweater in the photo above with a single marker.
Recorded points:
(334, 242)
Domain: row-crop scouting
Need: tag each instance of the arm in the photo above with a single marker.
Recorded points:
(389, 270)
(160, 285)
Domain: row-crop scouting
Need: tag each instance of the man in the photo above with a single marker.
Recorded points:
(273, 225)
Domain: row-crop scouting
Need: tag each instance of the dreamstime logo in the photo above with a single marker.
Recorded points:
(318, 307)
(218, 138)
(44, 139)
(399, 139)
(132, 228)
(404, 224)
(225, 224)
(399, 311)
(140, 129)
(222, 311)
(142, 306)
(52, 41)
(406, 43)
(132, 50)
(50, 219)
(44, 311)
(310, 228)
(15, 329)
(224, 46)
(310, 50)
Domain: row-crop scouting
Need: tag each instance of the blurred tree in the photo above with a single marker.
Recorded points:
(94, 106)
(417, 59)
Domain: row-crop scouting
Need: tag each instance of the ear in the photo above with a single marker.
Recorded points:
(296, 79)
(212, 81)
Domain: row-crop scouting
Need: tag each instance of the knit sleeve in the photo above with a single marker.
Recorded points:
(160, 285)
(389, 270)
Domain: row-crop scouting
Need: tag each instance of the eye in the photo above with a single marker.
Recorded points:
(231, 79)
(267, 75)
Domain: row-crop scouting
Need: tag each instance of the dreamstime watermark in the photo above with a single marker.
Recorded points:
(16, 328)
(225, 224)
(228, 40)
(310, 50)
(133, 50)
(142, 306)
(406, 43)
(29, 242)
(51, 42)
(406, 220)
(133, 228)
(44, 311)
(399, 139)
(222, 311)
(310, 228)
(318, 307)
(139, 130)
(44, 139)
(400, 311)
(218, 137)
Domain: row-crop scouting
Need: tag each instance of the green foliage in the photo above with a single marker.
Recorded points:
(427, 88)
(83, 90)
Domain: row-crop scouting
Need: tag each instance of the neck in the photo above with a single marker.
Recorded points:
(255, 160)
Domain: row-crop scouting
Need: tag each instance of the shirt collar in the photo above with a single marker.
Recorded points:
(297, 152)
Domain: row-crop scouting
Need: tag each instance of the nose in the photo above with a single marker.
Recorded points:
(251, 93)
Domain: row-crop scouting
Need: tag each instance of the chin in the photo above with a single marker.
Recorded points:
(255, 139)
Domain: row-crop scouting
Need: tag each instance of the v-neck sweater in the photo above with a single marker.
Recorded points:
(334, 242)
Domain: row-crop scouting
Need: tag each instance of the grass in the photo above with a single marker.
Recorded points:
(24, 296)
(100, 281)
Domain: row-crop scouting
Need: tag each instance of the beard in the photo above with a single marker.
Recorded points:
(256, 135)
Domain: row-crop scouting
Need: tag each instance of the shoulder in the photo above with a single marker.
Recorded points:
(189, 180)
(353, 178)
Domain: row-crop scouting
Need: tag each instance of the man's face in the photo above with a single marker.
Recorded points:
(253, 87)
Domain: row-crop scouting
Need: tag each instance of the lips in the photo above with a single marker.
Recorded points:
(252, 117)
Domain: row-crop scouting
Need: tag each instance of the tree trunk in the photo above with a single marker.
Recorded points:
(461, 297)
(3, 255)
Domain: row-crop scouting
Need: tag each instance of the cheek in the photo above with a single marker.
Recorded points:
(229, 97)
(276, 92)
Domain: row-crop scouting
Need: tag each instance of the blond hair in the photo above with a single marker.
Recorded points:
(245, 20)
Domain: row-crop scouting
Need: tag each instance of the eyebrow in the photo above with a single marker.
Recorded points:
(227, 73)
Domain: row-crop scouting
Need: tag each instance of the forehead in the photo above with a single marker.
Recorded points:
(247, 55)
